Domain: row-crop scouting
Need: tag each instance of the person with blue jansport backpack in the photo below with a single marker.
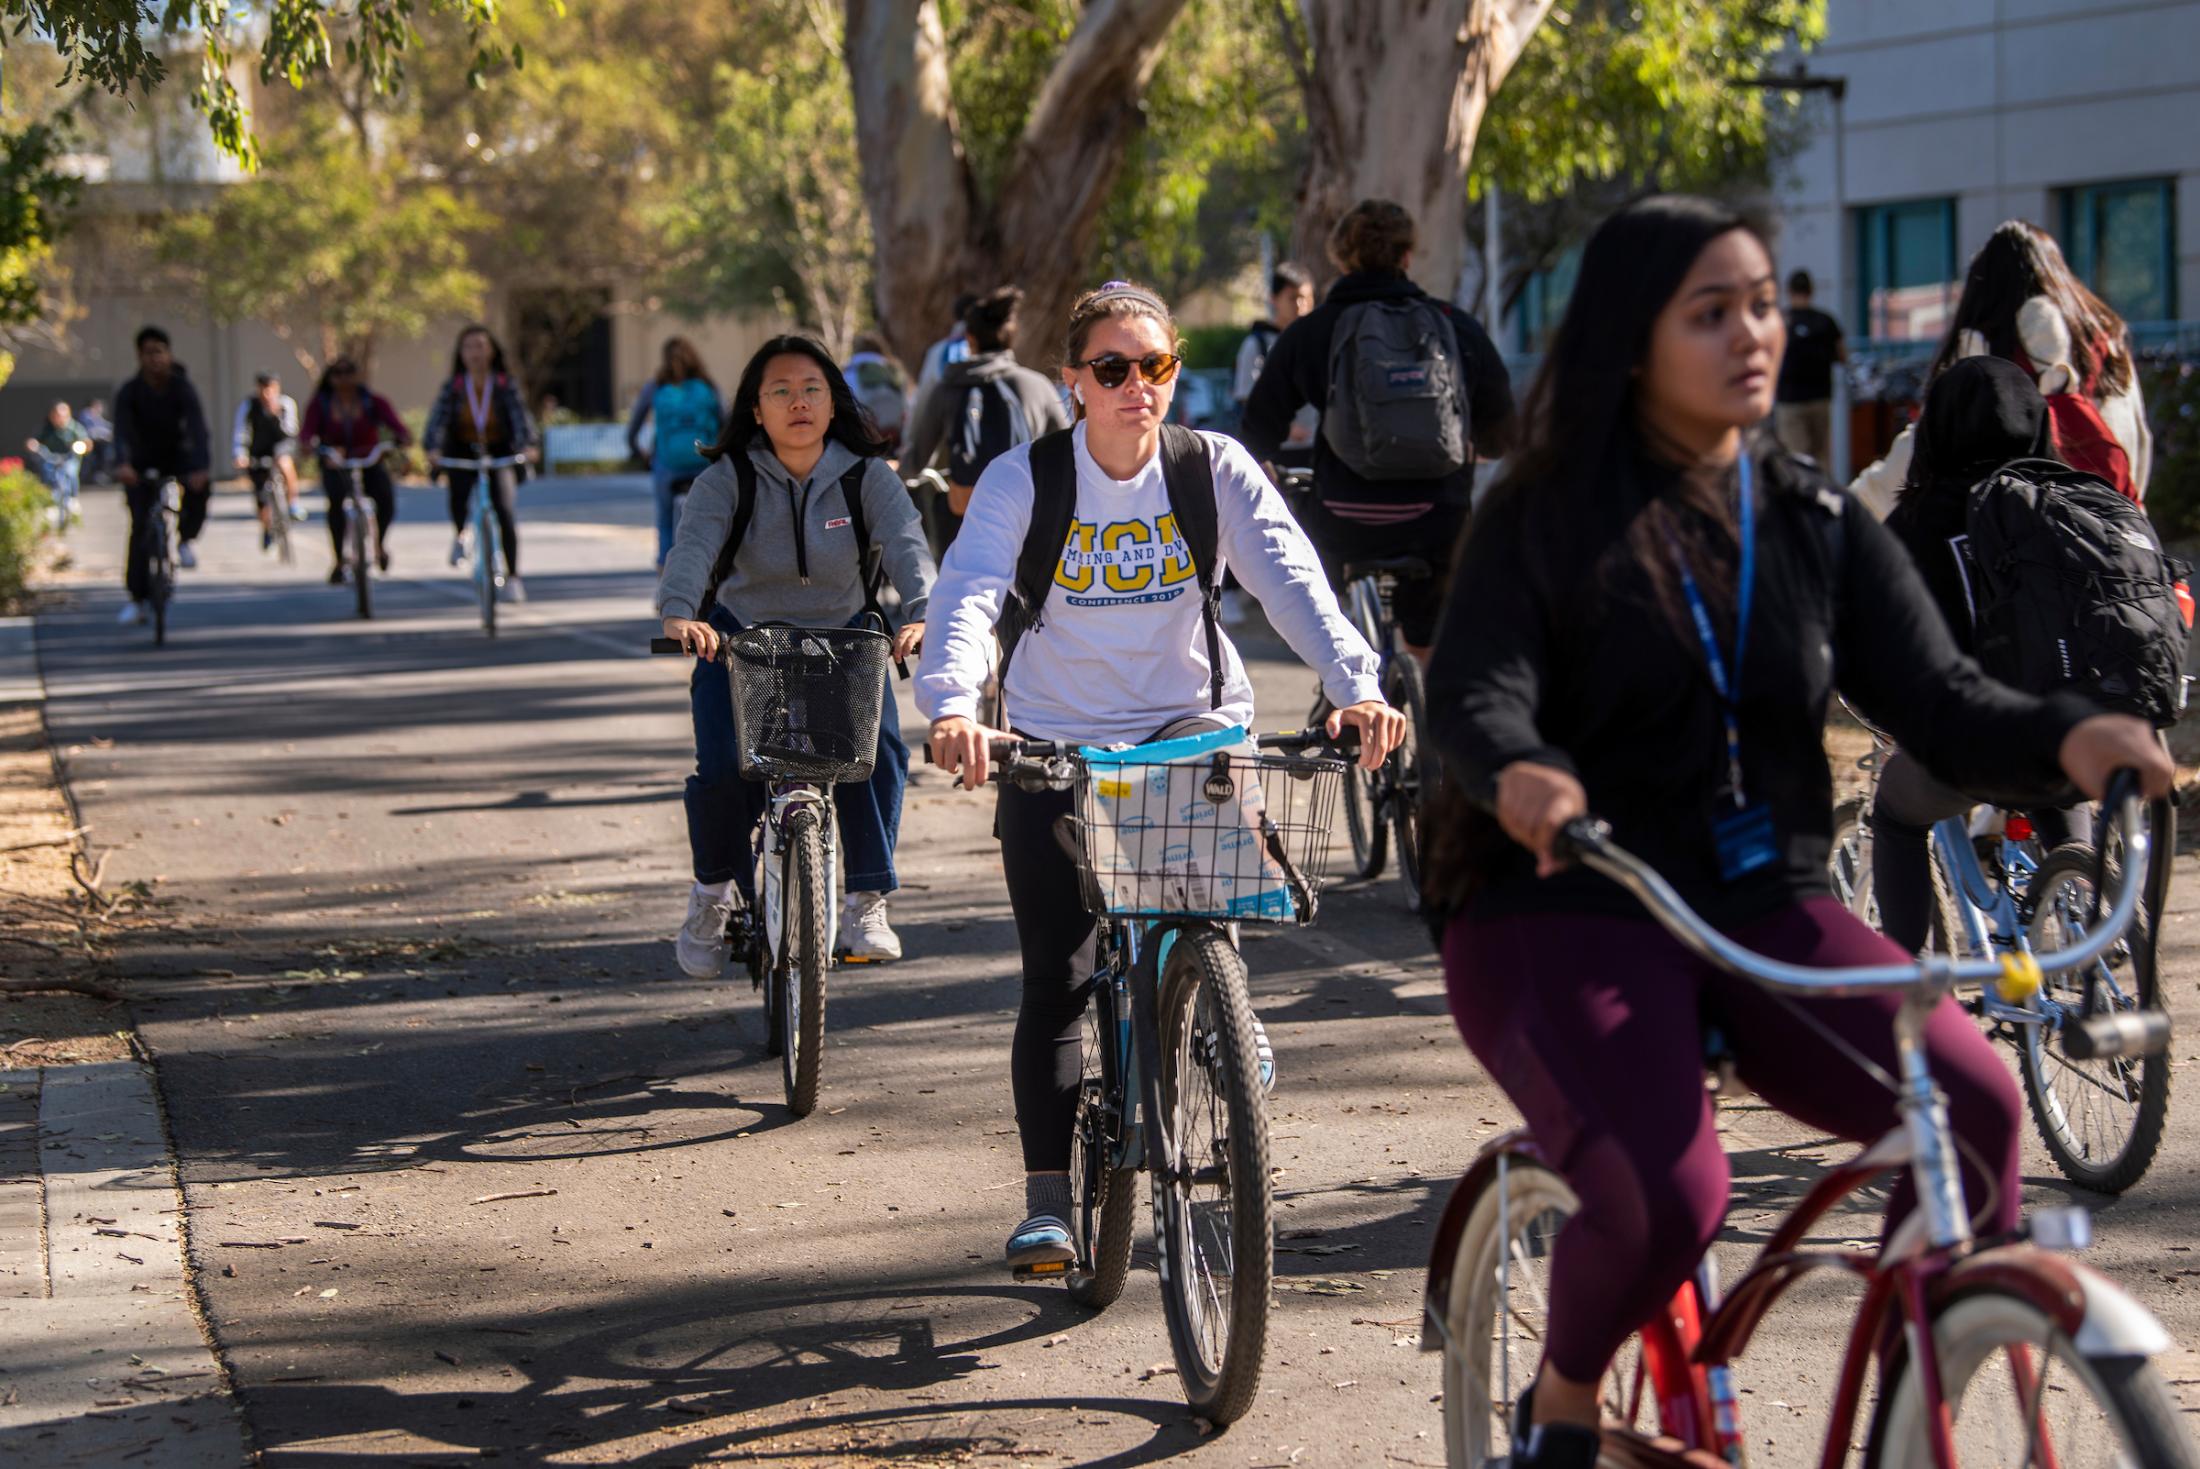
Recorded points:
(983, 406)
(1411, 393)
(684, 401)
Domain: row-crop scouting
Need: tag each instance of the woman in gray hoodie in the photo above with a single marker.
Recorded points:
(809, 447)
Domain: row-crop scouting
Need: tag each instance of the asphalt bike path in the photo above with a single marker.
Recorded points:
(471, 1170)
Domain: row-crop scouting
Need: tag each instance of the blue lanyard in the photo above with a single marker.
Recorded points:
(1729, 686)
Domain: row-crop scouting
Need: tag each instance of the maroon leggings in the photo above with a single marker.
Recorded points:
(1593, 1026)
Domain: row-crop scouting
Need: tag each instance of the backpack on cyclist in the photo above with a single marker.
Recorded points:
(1189, 477)
(1397, 404)
(687, 417)
(991, 423)
(2071, 589)
(744, 510)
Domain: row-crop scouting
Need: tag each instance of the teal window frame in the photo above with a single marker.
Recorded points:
(2082, 220)
(1874, 227)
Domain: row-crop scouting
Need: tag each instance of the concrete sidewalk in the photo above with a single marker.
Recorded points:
(101, 1357)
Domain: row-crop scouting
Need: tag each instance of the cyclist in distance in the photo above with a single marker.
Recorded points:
(347, 418)
(2021, 301)
(1646, 623)
(60, 465)
(480, 411)
(807, 445)
(160, 430)
(1127, 651)
(1362, 509)
(684, 401)
(983, 405)
(267, 428)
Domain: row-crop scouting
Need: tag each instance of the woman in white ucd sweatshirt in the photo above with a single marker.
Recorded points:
(1120, 656)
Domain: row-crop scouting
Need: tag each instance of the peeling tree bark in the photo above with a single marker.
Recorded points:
(1395, 92)
(934, 236)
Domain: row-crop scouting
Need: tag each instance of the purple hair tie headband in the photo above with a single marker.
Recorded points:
(1126, 291)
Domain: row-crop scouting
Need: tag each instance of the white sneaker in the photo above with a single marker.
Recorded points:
(701, 945)
(187, 557)
(297, 513)
(458, 550)
(132, 614)
(865, 934)
(513, 591)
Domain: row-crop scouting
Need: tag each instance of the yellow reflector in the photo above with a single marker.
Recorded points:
(2020, 978)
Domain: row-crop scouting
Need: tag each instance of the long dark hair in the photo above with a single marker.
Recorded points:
(497, 366)
(1577, 423)
(682, 363)
(851, 426)
(2020, 261)
(336, 364)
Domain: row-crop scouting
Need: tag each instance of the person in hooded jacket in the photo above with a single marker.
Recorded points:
(1350, 518)
(990, 327)
(798, 422)
(1980, 414)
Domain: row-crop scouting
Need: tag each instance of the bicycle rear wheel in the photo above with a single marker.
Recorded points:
(1106, 1205)
(278, 519)
(362, 565)
(1414, 775)
(2101, 1120)
(1213, 1205)
(1497, 1317)
(2022, 1392)
(801, 969)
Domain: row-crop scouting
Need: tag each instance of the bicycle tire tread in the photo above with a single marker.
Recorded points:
(806, 901)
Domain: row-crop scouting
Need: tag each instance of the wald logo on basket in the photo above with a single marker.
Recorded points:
(1124, 562)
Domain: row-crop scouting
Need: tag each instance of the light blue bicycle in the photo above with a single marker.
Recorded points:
(487, 471)
(1995, 890)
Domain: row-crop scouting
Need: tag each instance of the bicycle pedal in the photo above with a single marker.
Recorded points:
(845, 957)
(1044, 1270)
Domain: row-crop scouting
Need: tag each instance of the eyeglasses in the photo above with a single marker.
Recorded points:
(1113, 369)
(811, 394)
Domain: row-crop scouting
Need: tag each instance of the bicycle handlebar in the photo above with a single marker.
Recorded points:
(1006, 754)
(501, 461)
(926, 478)
(368, 462)
(1589, 841)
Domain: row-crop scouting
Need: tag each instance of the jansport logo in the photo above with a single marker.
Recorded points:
(1413, 376)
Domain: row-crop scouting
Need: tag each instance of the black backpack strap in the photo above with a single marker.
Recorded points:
(1053, 511)
(744, 509)
(1189, 475)
(851, 494)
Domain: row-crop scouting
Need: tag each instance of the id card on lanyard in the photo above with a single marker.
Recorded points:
(1741, 830)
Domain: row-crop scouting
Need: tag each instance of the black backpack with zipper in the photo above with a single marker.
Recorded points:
(1189, 476)
(2071, 590)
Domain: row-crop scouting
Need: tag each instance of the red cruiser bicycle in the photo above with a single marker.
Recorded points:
(2035, 1359)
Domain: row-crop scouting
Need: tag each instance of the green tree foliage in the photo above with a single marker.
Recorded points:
(34, 198)
(1642, 90)
(333, 249)
(123, 46)
(774, 216)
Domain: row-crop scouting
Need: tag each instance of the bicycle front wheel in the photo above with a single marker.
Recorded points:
(1414, 775)
(1106, 1206)
(2101, 1120)
(362, 566)
(801, 967)
(1213, 1205)
(2022, 1392)
(485, 560)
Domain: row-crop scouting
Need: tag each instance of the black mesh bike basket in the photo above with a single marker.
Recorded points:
(1228, 835)
(806, 701)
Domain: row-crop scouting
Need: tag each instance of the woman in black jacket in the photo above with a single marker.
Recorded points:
(1611, 646)
(1980, 414)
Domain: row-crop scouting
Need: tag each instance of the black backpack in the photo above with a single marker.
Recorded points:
(1397, 405)
(2071, 590)
(744, 510)
(991, 423)
(1189, 476)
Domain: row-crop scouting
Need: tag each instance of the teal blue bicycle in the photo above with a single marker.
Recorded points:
(1176, 844)
(487, 471)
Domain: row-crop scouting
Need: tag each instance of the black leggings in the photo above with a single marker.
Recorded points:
(503, 500)
(337, 482)
(1046, 1061)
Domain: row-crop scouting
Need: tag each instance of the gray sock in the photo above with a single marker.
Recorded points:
(1047, 1193)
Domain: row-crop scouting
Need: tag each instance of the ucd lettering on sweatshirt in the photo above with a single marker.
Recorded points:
(1124, 562)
